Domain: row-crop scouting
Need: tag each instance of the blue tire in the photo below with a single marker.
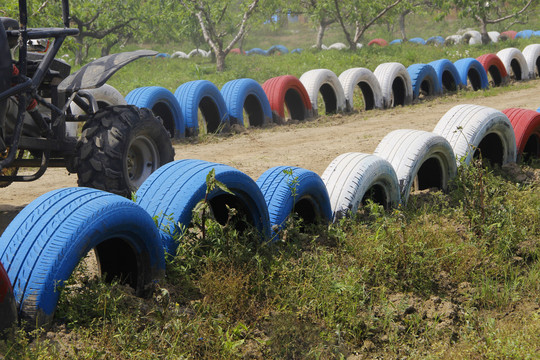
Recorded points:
(471, 69)
(418, 40)
(247, 94)
(162, 55)
(297, 51)
(257, 51)
(424, 78)
(203, 95)
(163, 104)
(310, 201)
(277, 49)
(536, 33)
(396, 41)
(437, 40)
(171, 193)
(447, 74)
(44, 243)
(524, 34)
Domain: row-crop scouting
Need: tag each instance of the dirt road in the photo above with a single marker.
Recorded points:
(312, 145)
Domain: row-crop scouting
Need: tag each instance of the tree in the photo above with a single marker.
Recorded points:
(220, 20)
(320, 13)
(361, 14)
(488, 12)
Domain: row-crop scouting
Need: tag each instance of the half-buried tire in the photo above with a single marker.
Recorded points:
(532, 56)
(163, 104)
(248, 95)
(326, 83)
(368, 84)
(204, 96)
(287, 91)
(44, 243)
(424, 80)
(290, 190)
(396, 85)
(471, 71)
(447, 74)
(515, 63)
(421, 159)
(526, 124)
(472, 130)
(495, 68)
(353, 178)
(171, 193)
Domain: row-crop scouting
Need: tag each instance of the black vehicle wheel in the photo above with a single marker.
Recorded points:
(120, 146)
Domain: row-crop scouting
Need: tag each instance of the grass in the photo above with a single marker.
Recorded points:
(450, 275)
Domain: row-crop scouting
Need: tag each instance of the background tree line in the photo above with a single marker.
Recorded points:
(223, 25)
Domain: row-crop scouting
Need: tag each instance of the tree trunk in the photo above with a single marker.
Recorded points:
(78, 51)
(320, 34)
(484, 32)
(220, 60)
(402, 24)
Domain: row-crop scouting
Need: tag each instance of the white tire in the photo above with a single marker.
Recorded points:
(323, 47)
(471, 127)
(531, 53)
(475, 37)
(338, 46)
(453, 40)
(179, 54)
(327, 83)
(359, 46)
(396, 84)
(421, 159)
(494, 36)
(515, 63)
(197, 52)
(367, 82)
(352, 178)
(105, 95)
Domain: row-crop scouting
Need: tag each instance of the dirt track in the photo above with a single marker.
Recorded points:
(312, 145)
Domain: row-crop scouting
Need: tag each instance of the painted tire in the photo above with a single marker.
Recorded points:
(162, 56)
(532, 56)
(396, 41)
(453, 40)
(327, 83)
(280, 49)
(447, 74)
(257, 51)
(421, 159)
(310, 198)
(171, 193)
(526, 124)
(524, 34)
(338, 46)
(246, 94)
(396, 85)
(510, 34)
(198, 52)
(44, 243)
(471, 69)
(494, 36)
(514, 63)
(287, 91)
(380, 42)
(475, 38)
(424, 77)
(179, 54)
(8, 306)
(352, 178)
(297, 51)
(435, 40)
(368, 84)
(203, 95)
(418, 40)
(237, 51)
(163, 104)
(494, 67)
(468, 127)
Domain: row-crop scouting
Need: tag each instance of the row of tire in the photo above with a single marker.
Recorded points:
(471, 37)
(391, 84)
(42, 246)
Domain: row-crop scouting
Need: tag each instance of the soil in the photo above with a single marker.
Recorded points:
(311, 145)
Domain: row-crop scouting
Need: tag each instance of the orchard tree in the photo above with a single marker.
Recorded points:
(223, 23)
(488, 12)
(321, 13)
(360, 15)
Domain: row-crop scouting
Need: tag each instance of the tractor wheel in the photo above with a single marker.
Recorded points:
(120, 146)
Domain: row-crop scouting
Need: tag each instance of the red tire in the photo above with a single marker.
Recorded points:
(494, 67)
(8, 309)
(526, 124)
(511, 34)
(237, 51)
(287, 90)
(380, 42)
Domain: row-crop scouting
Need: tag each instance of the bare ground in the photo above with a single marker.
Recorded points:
(311, 145)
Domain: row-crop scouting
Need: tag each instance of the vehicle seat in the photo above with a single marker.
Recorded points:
(10, 24)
